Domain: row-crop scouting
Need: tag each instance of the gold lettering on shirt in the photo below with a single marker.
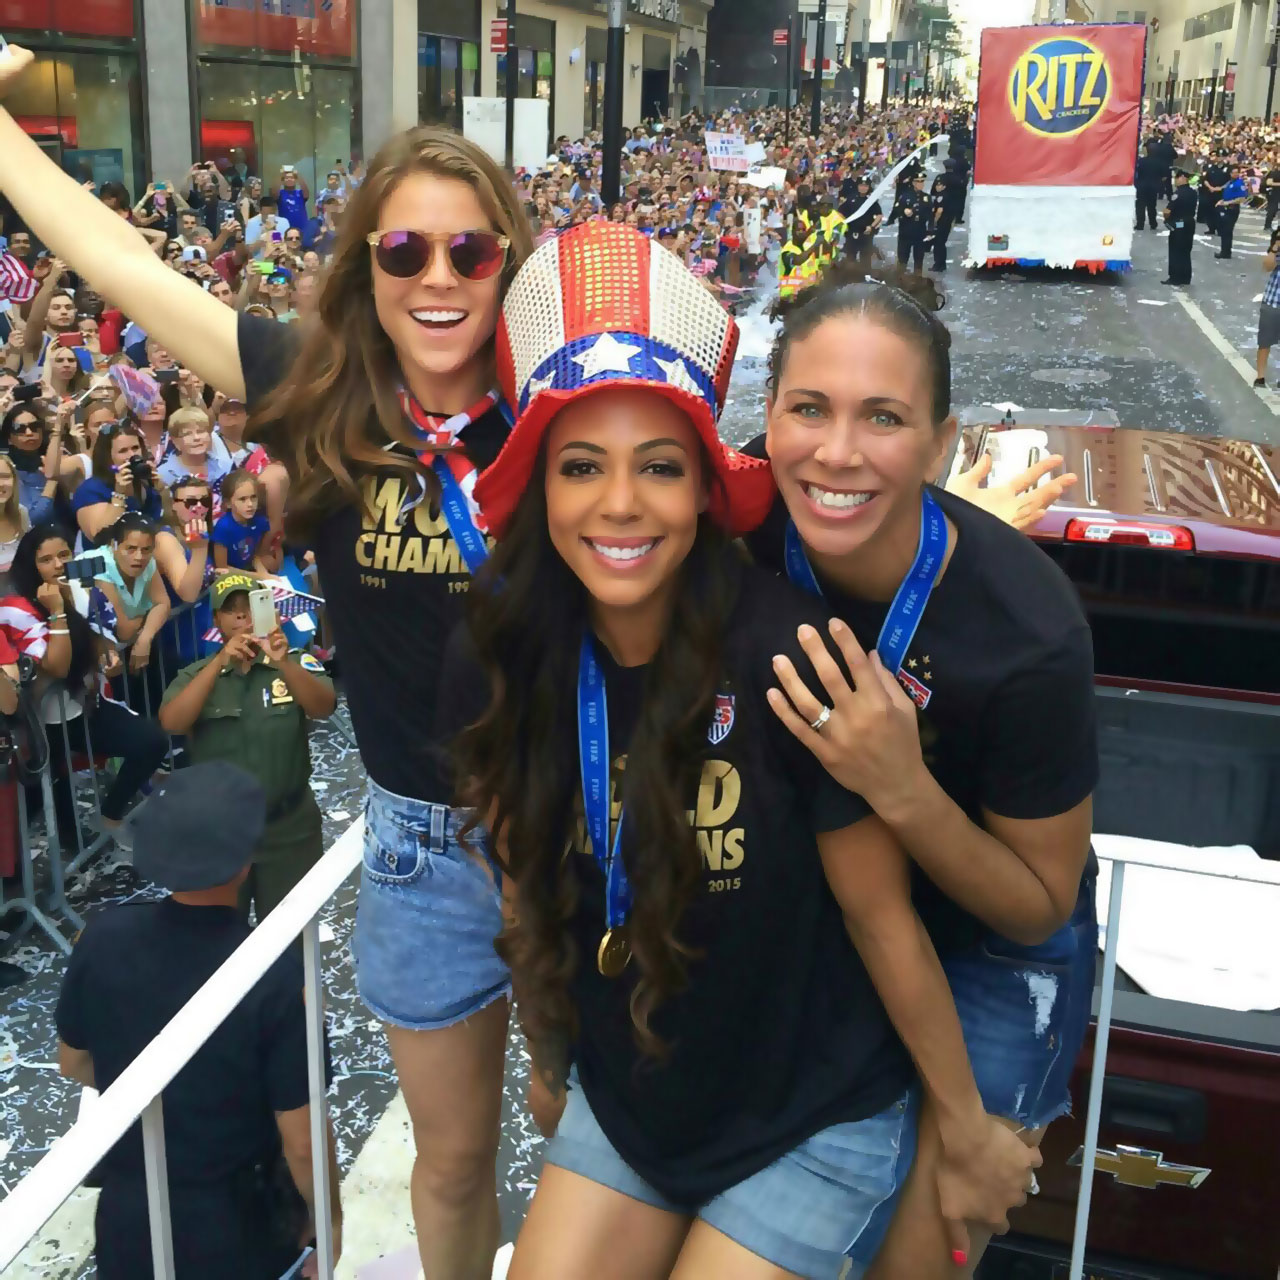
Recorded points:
(420, 544)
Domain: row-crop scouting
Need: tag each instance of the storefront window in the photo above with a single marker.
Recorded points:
(82, 102)
(276, 83)
(85, 110)
(545, 67)
(276, 115)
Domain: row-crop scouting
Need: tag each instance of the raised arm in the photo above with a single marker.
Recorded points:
(111, 254)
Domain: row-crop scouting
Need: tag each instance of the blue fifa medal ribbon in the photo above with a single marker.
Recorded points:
(903, 619)
(453, 502)
(593, 754)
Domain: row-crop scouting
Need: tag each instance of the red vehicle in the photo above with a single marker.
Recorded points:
(1174, 544)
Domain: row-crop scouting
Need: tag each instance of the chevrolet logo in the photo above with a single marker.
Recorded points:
(1138, 1167)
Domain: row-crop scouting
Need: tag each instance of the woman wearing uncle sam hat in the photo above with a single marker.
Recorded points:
(250, 704)
(736, 1019)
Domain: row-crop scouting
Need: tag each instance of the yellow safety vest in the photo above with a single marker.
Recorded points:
(833, 225)
(791, 278)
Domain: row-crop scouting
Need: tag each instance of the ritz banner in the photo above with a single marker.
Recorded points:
(1059, 106)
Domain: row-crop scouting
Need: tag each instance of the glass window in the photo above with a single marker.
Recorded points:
(321, 30)
(428, 78)
(526, 64)
(449, 105)
(85, 110)
(277, 115)
(545, 67)
(470, 57)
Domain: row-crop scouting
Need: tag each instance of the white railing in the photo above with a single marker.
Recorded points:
(1266, 873)
(136, 1093)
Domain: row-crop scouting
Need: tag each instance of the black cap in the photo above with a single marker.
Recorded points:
(201, 829)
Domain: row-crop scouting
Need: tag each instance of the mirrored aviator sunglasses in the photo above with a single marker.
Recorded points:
(473, 255)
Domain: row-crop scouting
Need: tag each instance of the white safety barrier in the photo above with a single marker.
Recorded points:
(136, 1094)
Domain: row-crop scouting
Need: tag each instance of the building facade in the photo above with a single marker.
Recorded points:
(1204, 57)
(131, 90)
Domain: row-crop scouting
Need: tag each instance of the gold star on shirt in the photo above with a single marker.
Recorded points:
(912, 663)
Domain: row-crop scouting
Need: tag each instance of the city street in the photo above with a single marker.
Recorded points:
(1159, 358)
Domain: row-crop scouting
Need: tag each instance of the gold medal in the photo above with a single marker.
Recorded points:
(614, 952)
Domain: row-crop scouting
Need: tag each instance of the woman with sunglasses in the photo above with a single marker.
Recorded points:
(383, 408)
(23, 435)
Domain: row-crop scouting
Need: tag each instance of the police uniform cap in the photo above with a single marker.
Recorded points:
(182, 838)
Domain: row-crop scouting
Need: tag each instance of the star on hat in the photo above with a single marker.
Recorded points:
(606, 355)
(678, 375)
(541, 384)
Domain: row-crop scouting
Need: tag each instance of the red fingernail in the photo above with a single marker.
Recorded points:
(959, 1257)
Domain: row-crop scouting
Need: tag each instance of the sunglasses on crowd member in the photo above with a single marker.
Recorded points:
(473, 255)
(197, 505)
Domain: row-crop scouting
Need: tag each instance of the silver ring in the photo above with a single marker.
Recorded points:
(1034, 1188)
(823, 716)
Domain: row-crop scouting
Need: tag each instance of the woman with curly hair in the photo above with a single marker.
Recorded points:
(716, 937)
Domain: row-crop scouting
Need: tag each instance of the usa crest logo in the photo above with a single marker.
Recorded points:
(721, 719)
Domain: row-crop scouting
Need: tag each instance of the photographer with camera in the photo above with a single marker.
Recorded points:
(250, 705)
(123, 480)
(1269, 312)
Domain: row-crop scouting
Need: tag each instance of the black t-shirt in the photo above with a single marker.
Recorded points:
(134, 966)
(1004, 662)
(780, 1032)
(1271, 192)
(394, 594)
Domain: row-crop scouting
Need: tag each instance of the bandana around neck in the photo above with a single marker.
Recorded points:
(435, 432)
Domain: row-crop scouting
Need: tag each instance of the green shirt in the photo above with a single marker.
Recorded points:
(251, 719)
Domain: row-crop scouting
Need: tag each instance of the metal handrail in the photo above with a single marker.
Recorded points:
(136, 1093)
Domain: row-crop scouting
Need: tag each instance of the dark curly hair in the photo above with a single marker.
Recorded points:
(905, 302)
(519, 762)
(24, 575)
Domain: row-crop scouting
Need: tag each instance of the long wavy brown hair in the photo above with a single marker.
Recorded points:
(333, 415)
(518, 764)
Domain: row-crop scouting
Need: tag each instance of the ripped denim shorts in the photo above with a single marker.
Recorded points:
(1024, 1011)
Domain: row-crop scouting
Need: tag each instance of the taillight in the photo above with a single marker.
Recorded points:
(1131, 533)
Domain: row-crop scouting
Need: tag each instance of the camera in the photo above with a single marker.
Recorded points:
(141, 474)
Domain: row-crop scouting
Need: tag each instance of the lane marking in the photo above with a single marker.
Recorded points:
(1227, 351)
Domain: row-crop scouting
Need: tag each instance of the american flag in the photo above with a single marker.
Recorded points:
(17, 284)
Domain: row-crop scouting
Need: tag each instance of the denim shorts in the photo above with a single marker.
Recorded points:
(426, 918)
(806, 1212)
(1025, 1011)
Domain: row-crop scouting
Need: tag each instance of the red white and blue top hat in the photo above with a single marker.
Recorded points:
(604, 306)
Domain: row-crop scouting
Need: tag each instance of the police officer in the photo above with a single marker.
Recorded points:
(250, 704)
(237, 1116)
(861, 234)
(1181, 219)
(940, 216)
(1233, 198)
(1212, 181)
(913, 212)
(1146, 181)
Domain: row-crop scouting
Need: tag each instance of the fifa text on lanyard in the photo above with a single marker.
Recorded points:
(614, 952)
(907, 609)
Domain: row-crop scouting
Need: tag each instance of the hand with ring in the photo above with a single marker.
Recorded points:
(863, 729)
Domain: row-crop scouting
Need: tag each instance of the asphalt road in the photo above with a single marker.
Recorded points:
(1159, 358)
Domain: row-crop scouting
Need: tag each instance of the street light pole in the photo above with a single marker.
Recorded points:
(1275, 57)
(791, 40)
(513, 84)
(613, 69)
(815, 118)
(866, 61)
